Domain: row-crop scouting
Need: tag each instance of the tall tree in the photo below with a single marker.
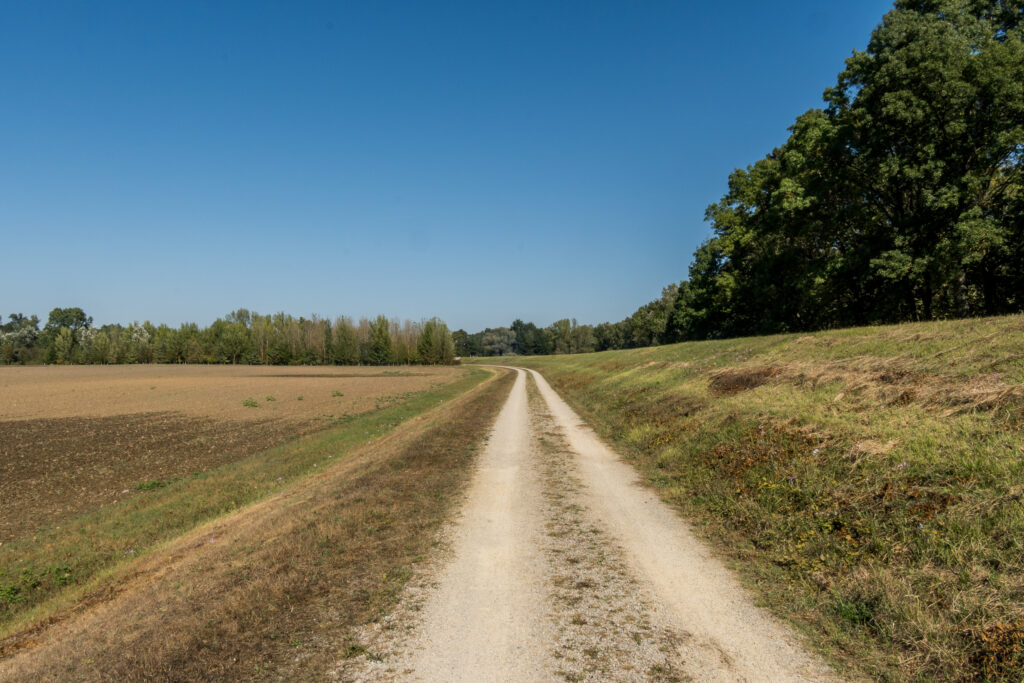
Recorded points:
(380, 349)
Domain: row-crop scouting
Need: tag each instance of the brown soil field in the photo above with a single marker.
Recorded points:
(76, 438)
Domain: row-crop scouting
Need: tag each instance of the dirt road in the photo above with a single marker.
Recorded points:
(562, 566)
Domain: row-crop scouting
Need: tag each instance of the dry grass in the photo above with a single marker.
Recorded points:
(272, 590)
(866, 482)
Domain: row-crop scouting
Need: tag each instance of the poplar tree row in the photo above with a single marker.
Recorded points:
(239, 337)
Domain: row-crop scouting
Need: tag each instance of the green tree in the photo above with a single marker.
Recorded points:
(18, 338)
(435, 345)
(498, 342)
(71, 318)
(95, 346)
(380, 350)
(344, 343)
(233, 342)
(63, 342)
(561, 336)
(931, 118)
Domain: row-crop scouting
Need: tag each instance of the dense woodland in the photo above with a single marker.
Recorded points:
(240, 337)
(901, 199)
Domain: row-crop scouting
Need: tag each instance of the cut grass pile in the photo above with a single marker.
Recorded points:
(46, 572)
(867, 482)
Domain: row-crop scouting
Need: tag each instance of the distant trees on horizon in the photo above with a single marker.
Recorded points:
(651, 325)
(240, 337)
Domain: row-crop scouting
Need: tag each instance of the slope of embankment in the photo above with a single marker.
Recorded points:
(867, 483)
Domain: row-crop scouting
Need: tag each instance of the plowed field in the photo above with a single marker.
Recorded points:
(76, 438)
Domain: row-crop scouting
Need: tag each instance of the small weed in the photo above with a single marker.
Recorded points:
(861, 612)
(271, 398)
(299, 398)
(250, 403)
(151, 485)
(353, 650)
(60, 575)
(336, 393)
(10, 593)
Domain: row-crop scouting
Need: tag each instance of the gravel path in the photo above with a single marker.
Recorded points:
(562, 566)
(726, 636)
(485, 619)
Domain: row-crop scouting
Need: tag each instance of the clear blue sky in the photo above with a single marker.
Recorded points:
(479, 161)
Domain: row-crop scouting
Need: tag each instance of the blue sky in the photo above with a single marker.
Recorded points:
(478, 161)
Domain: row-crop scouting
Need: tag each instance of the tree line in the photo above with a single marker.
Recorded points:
(239, 337)
(652, 324)
(900, 199)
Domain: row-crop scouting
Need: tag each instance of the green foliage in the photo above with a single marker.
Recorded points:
(18, 338)
(251, 403)
(344, 343)
(379, 349)
(498, 342)
(900, 200)
(232, 340)
(435, 346)
(95, 345)
(71, 318)
(467, 344)
(241, 336)
(63, 342)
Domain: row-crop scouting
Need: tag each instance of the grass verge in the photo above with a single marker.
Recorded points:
(53, 569)
(867, 483)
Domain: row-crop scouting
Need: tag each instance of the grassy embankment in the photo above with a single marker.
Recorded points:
(47, 578)
(866, 482)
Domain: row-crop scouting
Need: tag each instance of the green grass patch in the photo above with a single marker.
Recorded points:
(869, 483)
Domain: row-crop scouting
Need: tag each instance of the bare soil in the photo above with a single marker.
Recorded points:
(206, 391)
(76, 438)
